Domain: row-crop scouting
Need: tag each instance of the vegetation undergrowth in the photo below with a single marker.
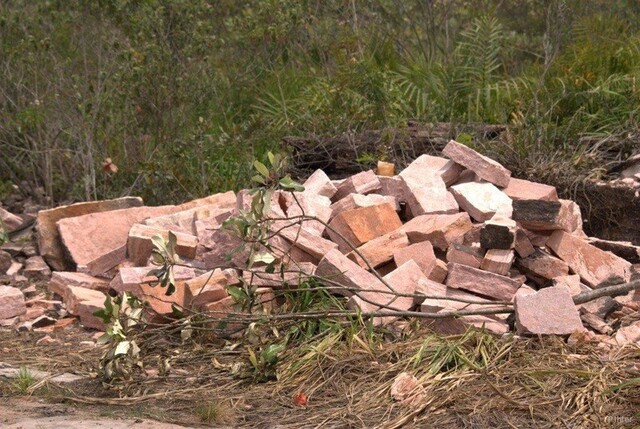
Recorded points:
(173, 100)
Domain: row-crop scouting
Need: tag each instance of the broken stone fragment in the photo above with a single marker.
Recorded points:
(486, 168)
(339, 269)
(392, 187)
(439, 272)
(356, 201)
(86, 310)
(380, 250)
(549, 311)
(9, 220)
(306, 241)
(594, 266)
(429, 195)
(140, 245)
(421, 253)
(482, 200)
(209, 287)
(446, 169)
(49, 241)
(74, 295)
(60, 280)
(536, 215)
(320, 184)
(11, 302)
(498, 233)
(440, 230)
(291, 276)
(466, 255)
(498, 261)
(365, 182)
(402, 280)
(519, 189)
(385, 169)
(5, 261)
(358, 226)
(542, 267)
(36, 269)
(481, 282)
(522, 245)
(97, 242)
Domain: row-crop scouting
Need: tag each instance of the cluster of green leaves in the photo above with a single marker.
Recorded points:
(183, 95)
(122, 356)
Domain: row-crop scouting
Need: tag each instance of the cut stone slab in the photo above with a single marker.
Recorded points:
(320, 184)
(440, 230)
(85, 311)
(446, 169)
(36, 269)
(498, 261)
(466, 255)
(498, 233)
(129, 278)
(74, 295)
(482, 200)
(60, 280)
(542, 267)
(49, 241)
(356, 201)
(536, 215)
(481, 282)
(140, 246)
(594, 266)
(221, 249)
(439, 297)
(9, 220)
(428, 195)
(365, 182)
(486, 168)
(11, 302)
(550, 311)
(97, 242)
(519, 189)
(380, 250)
(359, 226)
(402, 280)
(421, 253)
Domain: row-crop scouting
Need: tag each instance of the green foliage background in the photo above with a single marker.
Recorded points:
(182, 95)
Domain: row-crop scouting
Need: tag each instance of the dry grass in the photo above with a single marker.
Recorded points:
(473, 380)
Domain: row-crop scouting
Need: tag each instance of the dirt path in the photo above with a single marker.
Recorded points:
(34, 413)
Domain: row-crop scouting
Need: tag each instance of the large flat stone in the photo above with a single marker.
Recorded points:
(482, 200)
(380, 250)
(486, 168)
(594, 266)
(49, 242)
(440, 230)
(356, 227)
(446, 169)
(482, 282)
(428, 196)
(519, 189)
(97, 242)
(365, 182)
(550, 311)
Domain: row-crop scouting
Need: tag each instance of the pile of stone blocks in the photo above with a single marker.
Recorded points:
(447, 234)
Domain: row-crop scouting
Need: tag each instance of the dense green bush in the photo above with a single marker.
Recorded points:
(182, 95)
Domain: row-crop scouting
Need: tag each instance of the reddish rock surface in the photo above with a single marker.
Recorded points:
(481, 282)
(548, 311)
(11, 302)
(361, 225)
(486, 168)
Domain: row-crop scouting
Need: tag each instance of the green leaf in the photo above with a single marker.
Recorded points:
(289, 184)
(272, 159)
(261, 168)
(259, 179)
(264, 257)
